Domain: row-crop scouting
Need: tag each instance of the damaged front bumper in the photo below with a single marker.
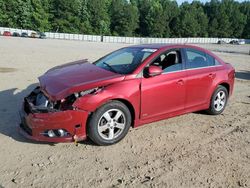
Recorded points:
(38, 123)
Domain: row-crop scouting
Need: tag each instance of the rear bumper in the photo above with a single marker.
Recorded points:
(33, 125)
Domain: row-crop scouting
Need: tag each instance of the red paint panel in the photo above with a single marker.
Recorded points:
(198, 85)
(64, 80)
(163, 94)
(59, 120)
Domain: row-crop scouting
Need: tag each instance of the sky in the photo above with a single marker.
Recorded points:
(203, 1)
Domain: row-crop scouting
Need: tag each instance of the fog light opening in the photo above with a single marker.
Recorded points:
(51, 133)
(61, 132)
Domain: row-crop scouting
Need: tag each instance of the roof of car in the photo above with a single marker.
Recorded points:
(160, 46)
(165, 46)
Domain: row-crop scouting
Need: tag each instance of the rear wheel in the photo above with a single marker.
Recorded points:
(109, 124)
(218, 101)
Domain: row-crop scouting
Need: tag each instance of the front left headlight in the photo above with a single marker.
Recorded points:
(67, 103)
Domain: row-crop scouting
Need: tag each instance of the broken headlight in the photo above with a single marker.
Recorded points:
(86, 92)
(68, 101)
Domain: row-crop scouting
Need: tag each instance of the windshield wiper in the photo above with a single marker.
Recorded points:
(111, 68)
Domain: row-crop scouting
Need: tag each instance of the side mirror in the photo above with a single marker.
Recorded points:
(154, 71)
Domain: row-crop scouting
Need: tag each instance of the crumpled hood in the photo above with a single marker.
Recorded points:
(61, 81)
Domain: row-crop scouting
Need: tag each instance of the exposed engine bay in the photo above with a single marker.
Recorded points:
(38, 102)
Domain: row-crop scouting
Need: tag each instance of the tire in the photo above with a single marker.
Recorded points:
(218, 101)
(109, 124)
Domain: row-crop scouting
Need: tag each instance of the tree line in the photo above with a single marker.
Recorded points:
(146, 18)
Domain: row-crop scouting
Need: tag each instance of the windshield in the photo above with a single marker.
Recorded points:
(124, 61)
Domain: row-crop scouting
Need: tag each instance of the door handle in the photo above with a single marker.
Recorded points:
(211, 75)
(180, 82)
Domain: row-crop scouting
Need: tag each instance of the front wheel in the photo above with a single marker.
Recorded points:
(218, 101)
(109, 124)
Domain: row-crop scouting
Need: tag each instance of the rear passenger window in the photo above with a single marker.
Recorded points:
(216, 62)
(211, 60)
(196, 59)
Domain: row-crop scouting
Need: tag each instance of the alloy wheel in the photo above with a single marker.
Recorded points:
(111, 124)
(220, 101)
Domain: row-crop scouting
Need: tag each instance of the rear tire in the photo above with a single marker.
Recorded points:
(218, 101)
(109, 124)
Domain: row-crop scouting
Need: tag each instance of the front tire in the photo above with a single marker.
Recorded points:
(109, 124)
(218, 101)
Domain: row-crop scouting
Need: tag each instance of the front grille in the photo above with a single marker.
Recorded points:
(25, 127)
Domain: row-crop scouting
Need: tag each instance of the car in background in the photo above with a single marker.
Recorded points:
(238, 41)
(221, 42)
(16, 34)
(234, 41)
(34, 35)
(7, 33)
(127, 88)
(42, 35)
(24, 34)
(241, 41)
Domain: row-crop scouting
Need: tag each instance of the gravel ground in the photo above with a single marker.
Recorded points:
(193, 150)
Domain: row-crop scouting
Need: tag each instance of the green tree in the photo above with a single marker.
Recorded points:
(3, 13)
(238, 21)
(245, 9)
(65, 15)
(152, 20)
(16, 13)
(124, 18)
(99, 17)
(149, 18)
(171, 12)
(24, 14)
(85, 26)
(225, 18)
(192, 20)
(40, 15)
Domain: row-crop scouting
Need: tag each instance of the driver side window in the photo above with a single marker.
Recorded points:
(169, 61)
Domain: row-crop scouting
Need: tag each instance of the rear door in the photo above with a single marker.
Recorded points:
(200, 76)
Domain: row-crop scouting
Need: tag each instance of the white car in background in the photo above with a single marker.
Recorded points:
(241, 41)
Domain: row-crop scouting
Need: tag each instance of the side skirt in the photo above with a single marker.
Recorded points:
(140, 122)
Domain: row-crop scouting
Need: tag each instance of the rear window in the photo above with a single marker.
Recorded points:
(196, 59)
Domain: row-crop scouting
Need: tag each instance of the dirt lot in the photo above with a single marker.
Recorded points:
(194, 150)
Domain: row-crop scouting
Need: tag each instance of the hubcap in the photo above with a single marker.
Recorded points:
(111, 124)
(219, 101)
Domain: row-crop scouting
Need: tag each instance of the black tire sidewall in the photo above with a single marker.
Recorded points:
(92, 127)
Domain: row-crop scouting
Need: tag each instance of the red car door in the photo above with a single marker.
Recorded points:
(164, 93)
(200, 76)
(198, 85)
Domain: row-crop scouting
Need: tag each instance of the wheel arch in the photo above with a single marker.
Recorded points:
(130, 107)
(223, 83)
(127, 103)
(226, 85)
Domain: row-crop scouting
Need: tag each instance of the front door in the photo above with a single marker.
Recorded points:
(164, 93)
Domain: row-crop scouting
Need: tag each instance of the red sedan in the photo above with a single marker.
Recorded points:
(129, 87)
